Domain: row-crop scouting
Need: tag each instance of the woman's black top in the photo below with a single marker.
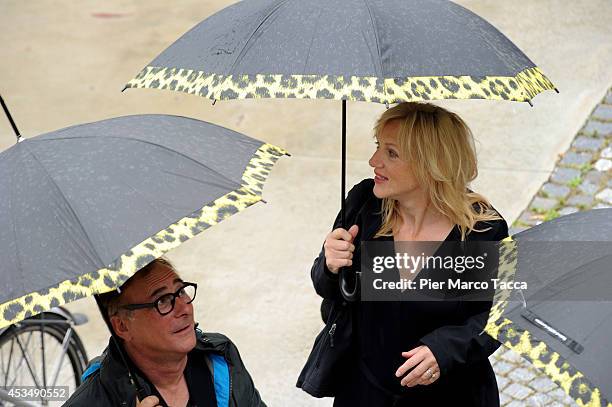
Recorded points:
(452, 329)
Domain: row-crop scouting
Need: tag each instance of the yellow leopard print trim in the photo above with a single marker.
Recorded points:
(521, 88)
(520, 340)
(259, 167)
(505, 273)
(570, 379)
(115, 275)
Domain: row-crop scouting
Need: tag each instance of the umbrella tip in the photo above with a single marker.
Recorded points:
(557, 90)
(124, 88)
(214, 101)
(530, 104)
(264, 201)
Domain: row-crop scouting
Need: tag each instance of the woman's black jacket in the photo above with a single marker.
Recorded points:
(453, 330)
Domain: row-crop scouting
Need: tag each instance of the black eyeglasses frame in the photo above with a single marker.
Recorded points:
(155, 304)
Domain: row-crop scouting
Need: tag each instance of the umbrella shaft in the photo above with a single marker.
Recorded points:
(343, 177)
(10, 118)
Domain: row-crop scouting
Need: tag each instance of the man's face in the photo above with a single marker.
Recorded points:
(147, 331)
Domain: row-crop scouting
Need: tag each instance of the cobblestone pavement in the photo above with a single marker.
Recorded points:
(581, 180)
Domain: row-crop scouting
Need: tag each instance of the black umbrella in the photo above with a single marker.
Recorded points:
(83, 208)
(558, 315)
(384, 51)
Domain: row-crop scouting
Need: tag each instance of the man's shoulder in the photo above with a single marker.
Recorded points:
(89, 394)
(215, 340)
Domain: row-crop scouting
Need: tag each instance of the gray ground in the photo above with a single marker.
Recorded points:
(65, 62)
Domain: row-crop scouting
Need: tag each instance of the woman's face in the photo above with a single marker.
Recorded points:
(393, 175)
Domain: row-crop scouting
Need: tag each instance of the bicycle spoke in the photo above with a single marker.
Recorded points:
(18, 367)
(10, 359)
(60, 358)
(42, 354)
(46, 353)
(25, 356)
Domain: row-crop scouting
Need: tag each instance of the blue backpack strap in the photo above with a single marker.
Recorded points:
(222, 379)
(91, 369)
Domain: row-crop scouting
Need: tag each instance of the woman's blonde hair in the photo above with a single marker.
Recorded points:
(440, 149)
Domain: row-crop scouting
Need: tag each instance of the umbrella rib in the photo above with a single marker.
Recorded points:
(101, 262)
(568, 276)
(160, 146)
(304, 72)
(600, 324)
(248, 40)
(379, 65)
(14, 223)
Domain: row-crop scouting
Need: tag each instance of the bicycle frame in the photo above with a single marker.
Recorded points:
(67, 321)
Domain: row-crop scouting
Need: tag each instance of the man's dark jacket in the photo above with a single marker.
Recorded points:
(107, 383)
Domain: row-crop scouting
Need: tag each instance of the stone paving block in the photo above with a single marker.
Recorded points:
(588, 188)
(504, 399)
(568, 210)
(581, 200)
(600, 129)
(516, 403)
(573, 158)
(559, 395)
(564, 175)
(502, 368)
(522, 375)
(543, 204)
(543, 400)
(603, 165)
(512, 357)
(606, 152)
(502, 382)
(528, 218)
(603, 112)
(588, 143)
(605, 196)
(518, 391)
(539, 400)
(602, 206)
(543, 384)
(594, 176)
(555, 191)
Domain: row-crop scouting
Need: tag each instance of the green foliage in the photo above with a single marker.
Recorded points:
(574, 182)
(550, 215)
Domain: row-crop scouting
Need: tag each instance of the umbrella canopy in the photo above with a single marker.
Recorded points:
(83, 208)
(562, 320)
(385, 51)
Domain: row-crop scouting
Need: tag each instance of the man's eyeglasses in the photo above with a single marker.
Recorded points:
(165, 303)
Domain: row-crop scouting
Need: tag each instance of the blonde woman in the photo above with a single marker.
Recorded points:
(413, 353)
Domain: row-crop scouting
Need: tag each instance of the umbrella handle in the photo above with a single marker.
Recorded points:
(350, 295)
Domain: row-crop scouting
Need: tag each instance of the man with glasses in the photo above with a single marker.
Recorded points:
(176, 364)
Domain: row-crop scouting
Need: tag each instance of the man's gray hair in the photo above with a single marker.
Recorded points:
(111, 301)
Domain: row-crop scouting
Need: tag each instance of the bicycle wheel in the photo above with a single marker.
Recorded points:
(42, 351)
